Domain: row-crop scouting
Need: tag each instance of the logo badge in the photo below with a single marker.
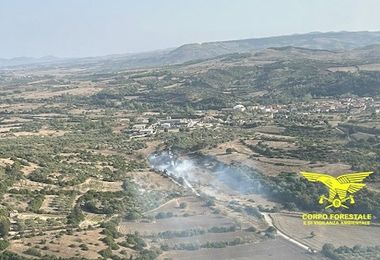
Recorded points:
(341, 188)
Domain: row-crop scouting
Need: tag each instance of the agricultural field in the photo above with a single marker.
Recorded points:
(271, 249)
(336, 235)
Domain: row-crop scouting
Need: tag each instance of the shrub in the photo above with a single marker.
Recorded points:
(33, 252)
(106, 253)
(251, 229)
(328, 250)
(75, 217)
(84, 247)
(4, 226)
(3, 244)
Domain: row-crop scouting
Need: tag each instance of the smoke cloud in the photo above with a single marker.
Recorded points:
(200, 169)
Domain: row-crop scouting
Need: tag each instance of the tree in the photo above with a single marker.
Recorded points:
(152, 120)
(3, 244)
(328, 250)
(4, 226)
(75, 216)
(106, 253)
(271, 232)
(210, 202)
(132, 215)
(229, 150)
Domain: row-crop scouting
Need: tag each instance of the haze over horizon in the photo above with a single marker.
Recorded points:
(95, 28)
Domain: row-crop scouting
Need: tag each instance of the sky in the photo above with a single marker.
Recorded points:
(82, 28)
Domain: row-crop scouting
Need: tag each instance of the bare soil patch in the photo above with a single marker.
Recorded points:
(336, 235)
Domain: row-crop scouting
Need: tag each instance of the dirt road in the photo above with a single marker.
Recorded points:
(269, 220)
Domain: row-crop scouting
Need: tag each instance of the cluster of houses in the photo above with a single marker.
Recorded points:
(343, 105)
(143, 127)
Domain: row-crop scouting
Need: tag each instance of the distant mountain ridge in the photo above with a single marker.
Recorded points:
(333, 41)
(26, 60)
(315, 40)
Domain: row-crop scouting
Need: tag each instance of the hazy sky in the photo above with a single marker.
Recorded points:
(72, 28)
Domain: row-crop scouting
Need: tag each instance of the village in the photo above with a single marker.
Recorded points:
(153, 123)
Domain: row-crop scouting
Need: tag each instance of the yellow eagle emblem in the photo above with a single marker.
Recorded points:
(338, 187)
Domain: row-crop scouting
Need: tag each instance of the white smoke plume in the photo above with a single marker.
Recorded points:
(183, 168)
(192, 170)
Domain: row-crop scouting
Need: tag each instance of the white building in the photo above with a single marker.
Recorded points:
(240, 108)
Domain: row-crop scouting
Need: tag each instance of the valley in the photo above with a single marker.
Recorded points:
(199, 158)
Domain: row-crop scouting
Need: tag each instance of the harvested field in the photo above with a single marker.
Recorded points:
(370, 67)
(193, 206)
(270, 249)
(334, 169)
(213, 237)
(344, 69)
(41, 133)
(270, 129)
(38, 216)
(280, 145)
(32, 185)
(176, 224)
(93, 219)
(336, 235)
(149, 180)
(97, 185)
(79, 91)
(236, 144)
(272, 166)
(5, 161)
(19, 107)
(64, 246)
